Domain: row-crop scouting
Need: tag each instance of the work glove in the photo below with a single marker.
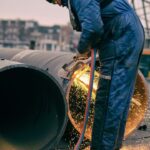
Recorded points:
(83, 56)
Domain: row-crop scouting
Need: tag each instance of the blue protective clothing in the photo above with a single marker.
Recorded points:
(117, 33)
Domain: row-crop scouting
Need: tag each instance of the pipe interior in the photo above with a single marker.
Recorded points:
(32, 110)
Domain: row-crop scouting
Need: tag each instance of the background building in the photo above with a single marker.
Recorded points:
(29, 34)
(142, 8)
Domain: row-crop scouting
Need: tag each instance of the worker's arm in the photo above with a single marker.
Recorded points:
(88, 12)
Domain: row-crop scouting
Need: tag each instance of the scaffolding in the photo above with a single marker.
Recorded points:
(142, 8)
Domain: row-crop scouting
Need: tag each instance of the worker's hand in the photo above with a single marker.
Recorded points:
(83, 56)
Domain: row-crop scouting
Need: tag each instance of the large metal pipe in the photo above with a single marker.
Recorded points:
(52, 62)
(33, 110)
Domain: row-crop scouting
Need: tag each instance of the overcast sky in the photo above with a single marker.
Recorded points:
(39, 10)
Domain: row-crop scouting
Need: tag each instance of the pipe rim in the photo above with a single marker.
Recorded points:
(50, 144)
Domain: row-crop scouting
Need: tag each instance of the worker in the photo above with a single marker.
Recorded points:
(113, 28)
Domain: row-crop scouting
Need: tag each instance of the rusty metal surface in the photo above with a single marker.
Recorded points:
(140, 140)
(30, 93)
(52, 62)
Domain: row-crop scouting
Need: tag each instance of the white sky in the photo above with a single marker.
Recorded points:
(38, 10)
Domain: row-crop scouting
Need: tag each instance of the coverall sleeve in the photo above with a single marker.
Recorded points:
(89, 15)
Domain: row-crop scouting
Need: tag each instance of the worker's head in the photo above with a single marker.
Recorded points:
(55, 2)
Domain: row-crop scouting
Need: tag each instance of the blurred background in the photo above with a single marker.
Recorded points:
(36, 24)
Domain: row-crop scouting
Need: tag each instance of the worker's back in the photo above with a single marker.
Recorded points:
(114, 8)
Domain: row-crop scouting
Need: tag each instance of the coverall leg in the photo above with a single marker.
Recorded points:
(119, 55)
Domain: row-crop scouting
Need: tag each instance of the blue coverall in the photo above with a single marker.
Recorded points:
(115, 30)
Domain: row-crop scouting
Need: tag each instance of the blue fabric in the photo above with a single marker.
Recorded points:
(119, 53)
(88, 12)
(118, 35)
(92, 18)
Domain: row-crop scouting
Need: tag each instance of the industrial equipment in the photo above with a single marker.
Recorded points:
(42, 83)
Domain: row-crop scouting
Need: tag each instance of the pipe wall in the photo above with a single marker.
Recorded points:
(33, 109)
(52, 63)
